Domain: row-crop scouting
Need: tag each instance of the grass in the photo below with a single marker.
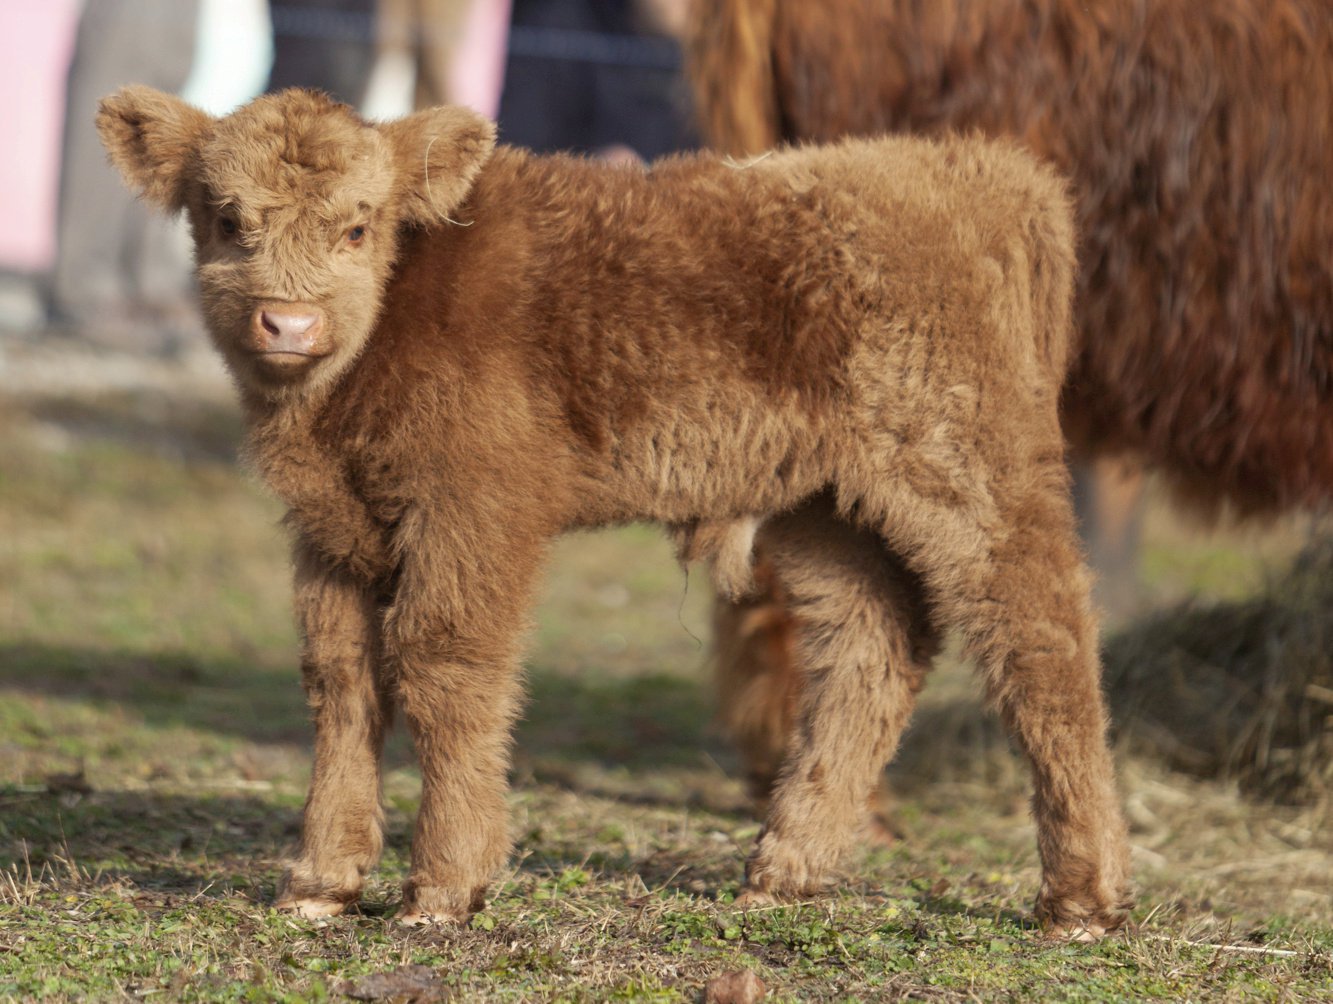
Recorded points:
(154, 754)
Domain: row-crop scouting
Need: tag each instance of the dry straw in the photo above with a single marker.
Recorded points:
(1241, 690)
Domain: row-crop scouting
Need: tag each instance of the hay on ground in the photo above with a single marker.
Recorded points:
(1241, 690)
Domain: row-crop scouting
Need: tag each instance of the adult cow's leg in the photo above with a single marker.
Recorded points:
(1108, 500)
(865, 641)
(342, 673)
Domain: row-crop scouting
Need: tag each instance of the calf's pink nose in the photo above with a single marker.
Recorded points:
(287, 325)
(288, 330)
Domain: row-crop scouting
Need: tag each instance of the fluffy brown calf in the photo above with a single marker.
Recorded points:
(449, 353)
(1198, 137)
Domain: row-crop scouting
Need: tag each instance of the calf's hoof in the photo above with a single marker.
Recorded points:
(1081, 931)
(313, 893)
(310, 909)
(435, 904)
(1072, 920)
(774, 876)
(755, 899)
(420, 918)
(784, 871)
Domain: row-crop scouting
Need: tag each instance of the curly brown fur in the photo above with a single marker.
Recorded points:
(493, 348)
(1198, 137)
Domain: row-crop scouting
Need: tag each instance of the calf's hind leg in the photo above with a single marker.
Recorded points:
(1019, 592)
(1033, 633)
(865, 642)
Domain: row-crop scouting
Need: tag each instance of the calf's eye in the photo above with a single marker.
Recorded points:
(227, 225)
(356, 235)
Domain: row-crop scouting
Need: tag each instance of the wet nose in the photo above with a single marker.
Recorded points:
(284, 325)
(294, 329)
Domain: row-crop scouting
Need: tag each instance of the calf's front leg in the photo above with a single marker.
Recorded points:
(341, 668)
(453, 640)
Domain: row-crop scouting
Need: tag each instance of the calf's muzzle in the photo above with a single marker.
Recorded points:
(288, 335)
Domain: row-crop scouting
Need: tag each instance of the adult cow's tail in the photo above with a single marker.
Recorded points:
(730, 61)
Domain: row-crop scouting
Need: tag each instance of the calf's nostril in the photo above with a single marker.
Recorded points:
(289, 325)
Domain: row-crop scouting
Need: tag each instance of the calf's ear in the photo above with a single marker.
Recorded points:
(438, 152)
(154, 139)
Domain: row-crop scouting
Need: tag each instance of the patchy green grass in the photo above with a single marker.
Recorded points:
(153, 758)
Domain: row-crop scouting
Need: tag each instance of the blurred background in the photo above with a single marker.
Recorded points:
(146, 644)
(80, 259)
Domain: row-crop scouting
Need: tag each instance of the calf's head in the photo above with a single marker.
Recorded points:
(295, 204)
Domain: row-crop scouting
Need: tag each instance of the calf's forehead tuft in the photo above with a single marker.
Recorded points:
(296, 148)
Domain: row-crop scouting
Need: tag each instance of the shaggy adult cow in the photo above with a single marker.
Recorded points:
(1198, 136)
(449, 353)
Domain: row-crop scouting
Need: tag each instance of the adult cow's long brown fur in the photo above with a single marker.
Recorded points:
(1198, 137)
(449, 354)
